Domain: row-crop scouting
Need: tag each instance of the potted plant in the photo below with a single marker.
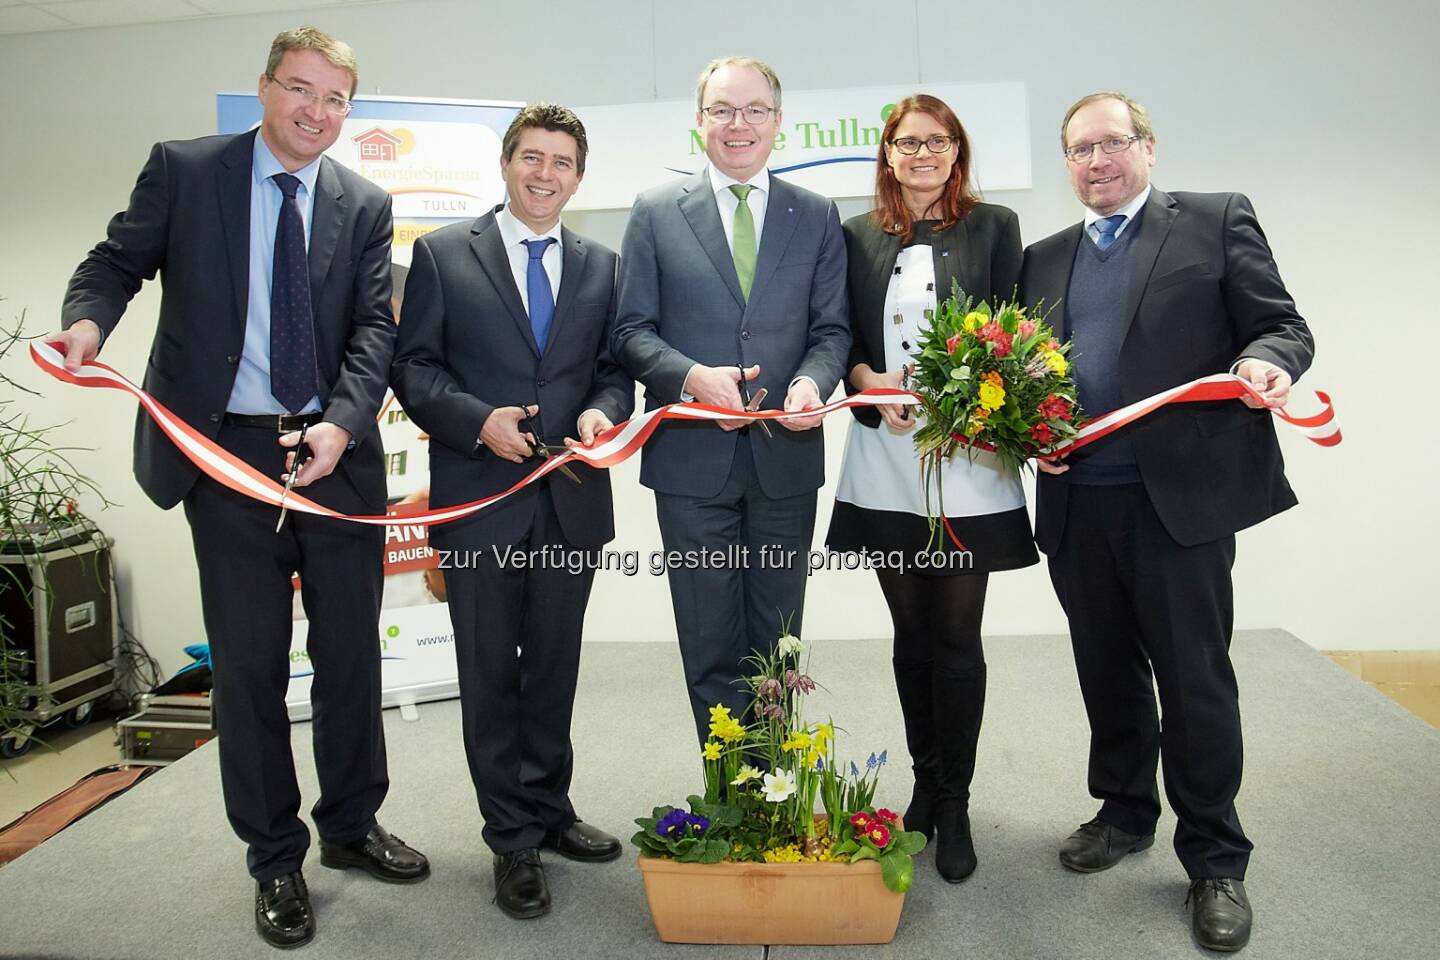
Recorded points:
(751, 860)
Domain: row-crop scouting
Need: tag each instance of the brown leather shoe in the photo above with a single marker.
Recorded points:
(379, 854)
(1098, 845)
(283, 917)
(1220, 914)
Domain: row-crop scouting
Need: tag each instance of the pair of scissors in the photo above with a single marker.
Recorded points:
(752, 405)
(543, 451)
(302, 454)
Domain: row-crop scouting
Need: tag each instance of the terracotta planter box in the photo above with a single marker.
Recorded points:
(792, 903)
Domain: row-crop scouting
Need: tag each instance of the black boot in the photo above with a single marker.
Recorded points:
(915, 683)
(957, 734)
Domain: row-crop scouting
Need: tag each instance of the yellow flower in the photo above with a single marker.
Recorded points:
(1056, 362)
(711, 751)
(812, 756)
(799, 740)
(992, 397)
(728, 730)
(824, 733)
(974, 427)
(974, 320)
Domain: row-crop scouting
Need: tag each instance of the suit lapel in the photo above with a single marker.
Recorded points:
(1054, 282)
(1158, 214)
(949, 247)
(233, 182)
(572, 272)
(697, 205)
(326, 220)
(780, 222)
(489, 249)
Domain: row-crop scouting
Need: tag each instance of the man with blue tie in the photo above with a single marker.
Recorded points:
(275, 317)
(732, 282)
(503, 354)
(1154, 290)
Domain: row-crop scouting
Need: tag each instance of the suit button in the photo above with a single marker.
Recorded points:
(214, 418)
(232, 359)
(744, 334)
(541, 383)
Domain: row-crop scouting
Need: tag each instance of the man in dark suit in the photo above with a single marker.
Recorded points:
(1156, 290)
(503, 351)
(275, 315)
(733, 281)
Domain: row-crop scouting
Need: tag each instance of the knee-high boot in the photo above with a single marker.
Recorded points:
(960, 707)
(915, 683)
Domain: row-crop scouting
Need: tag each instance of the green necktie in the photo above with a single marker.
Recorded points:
(742, 248)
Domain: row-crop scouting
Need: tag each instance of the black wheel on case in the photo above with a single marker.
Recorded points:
(77, 717)
(11, 749)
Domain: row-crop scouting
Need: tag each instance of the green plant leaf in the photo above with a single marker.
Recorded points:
(898, 871)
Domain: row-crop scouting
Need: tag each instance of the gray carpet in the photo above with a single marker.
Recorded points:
(1340, 798)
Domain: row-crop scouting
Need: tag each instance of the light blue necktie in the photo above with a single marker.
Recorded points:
(537, 289)
(1107, 227)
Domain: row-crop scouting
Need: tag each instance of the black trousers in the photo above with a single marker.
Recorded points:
(247, 596)
(735, 605)
(1147, 615)
(517, 648)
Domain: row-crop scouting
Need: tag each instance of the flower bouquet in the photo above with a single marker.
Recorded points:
(996, 379)
(755, 824)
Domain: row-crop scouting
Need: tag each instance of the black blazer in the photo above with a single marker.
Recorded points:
(1204, 292)
(466, 348)
(189, 220)
(982, 252)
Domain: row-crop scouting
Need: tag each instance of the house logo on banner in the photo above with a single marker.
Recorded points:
(378, 146)
(827, 140)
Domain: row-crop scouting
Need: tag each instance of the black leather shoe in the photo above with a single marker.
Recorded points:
(379, 854)
(954, 849)
(1098, 845)
(283, 916)
(520, 888)
(1220, 914)
(582, 842)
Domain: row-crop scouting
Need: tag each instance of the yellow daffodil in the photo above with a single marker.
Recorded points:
(747, 773)
(711, 751)
(799, 740)
(824, 733)
(727, 730)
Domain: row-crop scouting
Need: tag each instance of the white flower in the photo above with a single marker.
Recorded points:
(779, 786)
(747, 773)
(789, 645)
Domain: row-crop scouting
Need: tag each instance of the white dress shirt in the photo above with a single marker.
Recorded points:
(728, 203)
(1129, 211)
(513, 234)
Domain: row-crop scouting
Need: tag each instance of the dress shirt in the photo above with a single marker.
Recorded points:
(728, 203)
(1129, 211)
(513, 234)
(251, 393)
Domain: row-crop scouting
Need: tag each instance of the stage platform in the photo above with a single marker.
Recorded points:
(1341, 797)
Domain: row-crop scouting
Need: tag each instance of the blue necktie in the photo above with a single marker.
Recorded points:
(1107, 227)
(537, 289)
(292, 325)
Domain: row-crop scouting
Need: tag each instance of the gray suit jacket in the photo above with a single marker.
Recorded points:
(680, 304)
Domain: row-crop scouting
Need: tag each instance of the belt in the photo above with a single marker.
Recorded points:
(278, 422)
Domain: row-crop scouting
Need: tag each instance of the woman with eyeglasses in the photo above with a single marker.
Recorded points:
(928, 229)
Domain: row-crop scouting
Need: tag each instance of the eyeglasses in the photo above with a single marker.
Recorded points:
(724, 113)
(1084, 151)
(335, 106)
(911, 145)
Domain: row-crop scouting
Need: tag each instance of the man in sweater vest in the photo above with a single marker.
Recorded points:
(1155, 290)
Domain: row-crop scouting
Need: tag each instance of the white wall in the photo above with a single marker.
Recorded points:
(1322, 114)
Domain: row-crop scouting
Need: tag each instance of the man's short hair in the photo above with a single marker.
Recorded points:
(1139, 116)
(338, 52)
(767, 71)
(547, 116)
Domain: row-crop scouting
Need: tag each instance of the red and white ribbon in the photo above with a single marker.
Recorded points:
(613, 447)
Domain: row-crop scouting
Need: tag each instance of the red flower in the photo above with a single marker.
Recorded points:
(879, 834)
(1042, 433)
(989, 331)
(1025, 329)
(862, 821)
(1052, 344)
(887, 815)
(1003, 343)
(952, 343)
(1054, 407)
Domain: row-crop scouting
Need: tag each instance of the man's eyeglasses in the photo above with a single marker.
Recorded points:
(336, 106)
(911, 145)
(724, 113)
(1084, 151)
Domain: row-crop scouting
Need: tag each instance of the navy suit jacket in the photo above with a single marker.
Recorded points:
(1204, 291)
(680, 304)
(466, 347)
(189, 221)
